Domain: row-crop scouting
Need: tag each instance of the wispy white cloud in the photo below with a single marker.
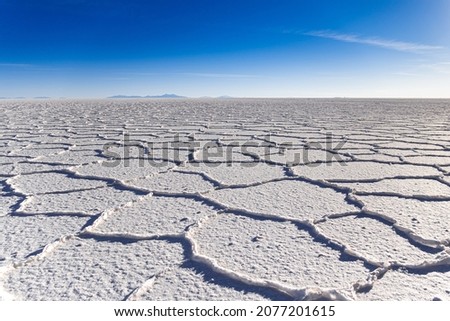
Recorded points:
(116, 78)
(404, 73)
(194, 74)
(33, 67)
(439, 67)
(218, 75)
(374, 41)
(14, 65)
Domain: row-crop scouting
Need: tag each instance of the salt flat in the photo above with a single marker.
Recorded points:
(237, 199)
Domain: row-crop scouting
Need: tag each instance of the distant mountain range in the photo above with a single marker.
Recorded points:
(160, 96)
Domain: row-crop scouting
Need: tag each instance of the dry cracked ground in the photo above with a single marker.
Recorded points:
(225, 200)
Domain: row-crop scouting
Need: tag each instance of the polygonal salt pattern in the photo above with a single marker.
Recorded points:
(283, 140)
(257, 149)
(428, 219)
(378, 157)
(153, 215)
(363, 171)
(405, 187)
(71, 158)
(429, 160)
(238, 174)
(169, 151)
(408, 145)
(291, 157)
(275, 251)
(174, 182)
(137, 245)
(404, 286)
(129, 151)
(36, 152)
(221, 154)
(22, 236)
(176, 155)
(7, 202)
(373, 240)
(96, 270)
(397, 152)
(123, 170)
(30, 167)
(438, 152)
(8, 159)
(6, 169)
(50, 183)
(90, 202)
(186, 285)
(294, 199)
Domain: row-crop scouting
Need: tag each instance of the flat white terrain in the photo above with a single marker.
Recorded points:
(252, 199)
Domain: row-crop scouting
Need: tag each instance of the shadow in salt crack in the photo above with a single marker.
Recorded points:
(403, 234)
(14, 208)
(3, 185)
(110, 182)
(343, 255)
(204, 176)
(288, 172)
(424, 270)
(210, 276)
(34, 253)
(8, 189)
(202, 269)
(195, 197)
(90, 221)
(111, 239)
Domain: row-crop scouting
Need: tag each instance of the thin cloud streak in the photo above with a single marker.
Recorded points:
(403, 73)
(374, 41)
(194, 74)
(212, 75)
(440, 67)
(15, 65)
(34, 67)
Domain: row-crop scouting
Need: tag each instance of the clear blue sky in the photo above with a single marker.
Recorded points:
(265, 48)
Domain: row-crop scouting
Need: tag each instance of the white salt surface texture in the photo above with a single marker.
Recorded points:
(252, 199)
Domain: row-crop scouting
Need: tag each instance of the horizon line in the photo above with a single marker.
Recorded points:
(218, 97)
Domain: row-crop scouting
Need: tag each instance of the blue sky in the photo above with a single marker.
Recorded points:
(321, 48)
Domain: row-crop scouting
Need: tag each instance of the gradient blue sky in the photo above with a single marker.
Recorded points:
(321, 48)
